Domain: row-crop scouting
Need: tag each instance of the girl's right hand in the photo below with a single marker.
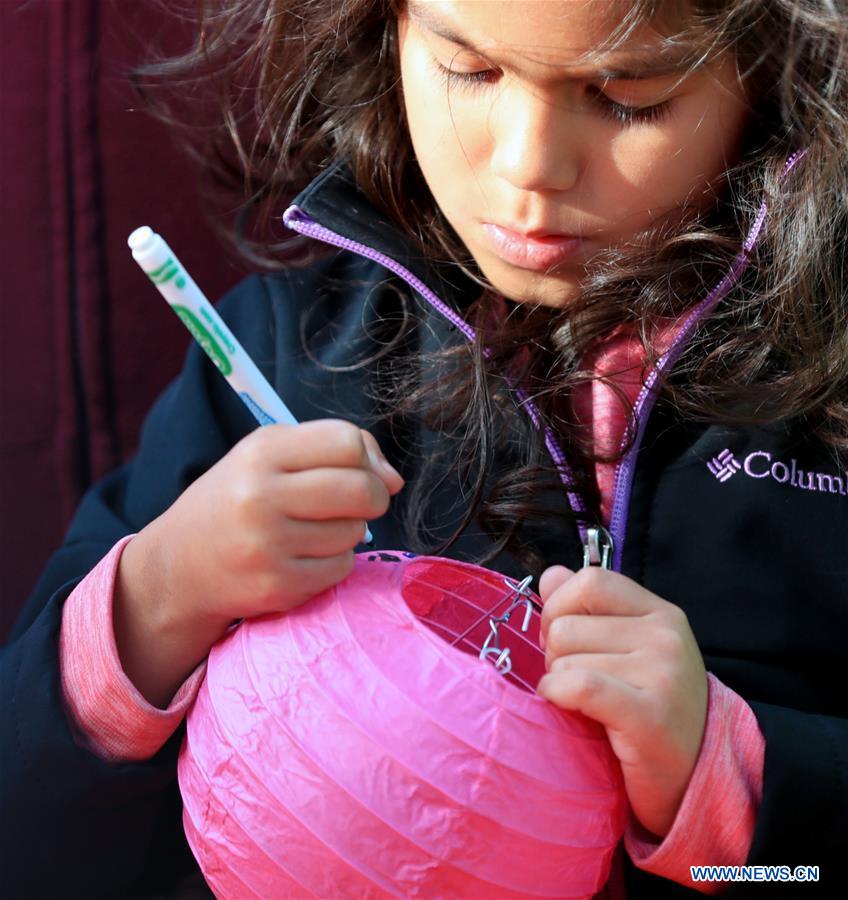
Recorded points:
(273, 523)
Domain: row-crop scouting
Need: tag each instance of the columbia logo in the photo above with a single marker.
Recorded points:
(759, 464)
(724, 465)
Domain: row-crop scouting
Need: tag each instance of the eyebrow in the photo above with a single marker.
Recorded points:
(423, 15)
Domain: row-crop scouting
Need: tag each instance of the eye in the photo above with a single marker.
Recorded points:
(619, 112)
(629, 115)
(464, 79)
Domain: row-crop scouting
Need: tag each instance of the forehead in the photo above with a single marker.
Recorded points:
(562, 34)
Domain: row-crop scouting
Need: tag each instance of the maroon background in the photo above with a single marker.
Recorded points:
(86, 343)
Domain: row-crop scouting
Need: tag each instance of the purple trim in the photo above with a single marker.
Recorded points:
(297, 220)
(648, 395)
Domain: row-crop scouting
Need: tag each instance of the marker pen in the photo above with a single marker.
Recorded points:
(186, 299)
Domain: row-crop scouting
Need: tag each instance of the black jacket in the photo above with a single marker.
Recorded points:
(742, 528)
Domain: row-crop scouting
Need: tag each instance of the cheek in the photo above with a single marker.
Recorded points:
(443, 136)
(651, 171)
(426, 111)
(642, 173)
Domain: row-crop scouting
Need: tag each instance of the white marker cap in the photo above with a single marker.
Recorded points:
(148, 248)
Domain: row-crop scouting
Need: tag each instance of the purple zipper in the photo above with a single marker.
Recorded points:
(296, 219)
(646, 399)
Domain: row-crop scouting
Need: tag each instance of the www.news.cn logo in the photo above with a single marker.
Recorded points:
(724, 465)
(754, 873)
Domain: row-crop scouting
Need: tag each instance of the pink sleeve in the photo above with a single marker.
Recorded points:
(715, 823)
(110, 717)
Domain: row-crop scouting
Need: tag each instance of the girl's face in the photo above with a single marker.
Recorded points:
(537, 161)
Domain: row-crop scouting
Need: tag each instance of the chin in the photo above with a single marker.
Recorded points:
(556, 289)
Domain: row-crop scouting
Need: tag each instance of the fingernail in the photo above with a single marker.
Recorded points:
(388, 467)
(380, 462)
(561, 577)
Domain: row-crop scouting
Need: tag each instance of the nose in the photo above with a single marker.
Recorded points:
(536, 141)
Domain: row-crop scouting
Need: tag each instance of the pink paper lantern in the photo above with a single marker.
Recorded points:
(346, 749)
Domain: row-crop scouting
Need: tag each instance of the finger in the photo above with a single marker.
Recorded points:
(596, 634)
(311, 539)
(599, 592)
(323, 443)
(551, 579)
(599, 696)
(617, 665)
(320, 494)
(638, 669)
(384, 469)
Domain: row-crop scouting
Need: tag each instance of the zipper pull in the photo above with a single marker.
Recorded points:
(597, 550)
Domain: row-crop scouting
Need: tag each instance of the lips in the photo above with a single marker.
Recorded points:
(536, 251)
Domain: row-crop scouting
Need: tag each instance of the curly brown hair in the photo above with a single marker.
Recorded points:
(273, 91)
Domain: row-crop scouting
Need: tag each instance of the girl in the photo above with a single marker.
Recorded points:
(568, 299)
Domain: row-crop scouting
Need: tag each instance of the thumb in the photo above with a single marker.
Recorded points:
(381, 466)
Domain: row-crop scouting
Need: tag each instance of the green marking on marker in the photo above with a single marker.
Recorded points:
(156, 272)
(204, 338)
(160, 279)
(167, 276)
(222, 336)
(166, 272)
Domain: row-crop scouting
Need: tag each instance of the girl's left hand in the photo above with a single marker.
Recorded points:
(628, 659)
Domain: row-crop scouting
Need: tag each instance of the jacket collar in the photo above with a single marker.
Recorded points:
(334, 201)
